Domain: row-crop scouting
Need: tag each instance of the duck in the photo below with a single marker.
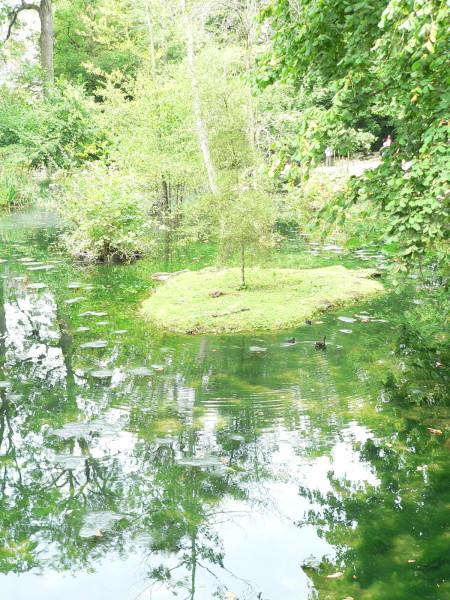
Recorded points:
(308, 322)
(321, 345)
(291, 340)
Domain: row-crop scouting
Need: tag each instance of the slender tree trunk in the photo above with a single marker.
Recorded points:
(46, 42)
(243, 265)
(202, 132)
(151, 37)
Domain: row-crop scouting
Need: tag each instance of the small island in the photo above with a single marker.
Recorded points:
(211, 300)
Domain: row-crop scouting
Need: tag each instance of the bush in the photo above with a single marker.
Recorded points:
(107, 216)
(60, 131)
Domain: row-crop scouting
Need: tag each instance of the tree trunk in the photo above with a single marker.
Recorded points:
(46, 41)
(44, 9)
(151, 37)
(202, 132)
(243, 265)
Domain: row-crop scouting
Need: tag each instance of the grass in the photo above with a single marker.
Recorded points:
(274, 299)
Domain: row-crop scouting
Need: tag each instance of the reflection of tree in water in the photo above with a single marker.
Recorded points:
(390, 537)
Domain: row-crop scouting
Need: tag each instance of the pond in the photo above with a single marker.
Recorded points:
(135, 464)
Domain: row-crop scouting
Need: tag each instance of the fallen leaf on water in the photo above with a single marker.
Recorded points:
(435, 431)
(334, 575)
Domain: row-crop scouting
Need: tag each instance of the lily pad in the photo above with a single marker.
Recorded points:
(73, 430)
(95, 524)
(200, 462)
(237, 438)
(68, 461)
(167, 441)
(96, 344)
(102, 374)
(141, 372)
(84, 430)
(41, 268)
(37, 286)
(75, 300)
(347, 319)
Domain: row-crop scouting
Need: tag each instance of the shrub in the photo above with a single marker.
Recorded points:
(107, 216)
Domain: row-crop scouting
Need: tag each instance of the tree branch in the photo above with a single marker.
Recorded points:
(14, 13)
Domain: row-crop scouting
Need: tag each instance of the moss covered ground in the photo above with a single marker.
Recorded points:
(211, 301)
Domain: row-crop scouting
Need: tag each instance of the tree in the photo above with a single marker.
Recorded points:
(202, 132)
(46, 38)
(246, 220)
(383, 65)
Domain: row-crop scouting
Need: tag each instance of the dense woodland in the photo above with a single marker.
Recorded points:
(208, 119)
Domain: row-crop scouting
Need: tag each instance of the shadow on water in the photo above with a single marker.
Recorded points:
(153, 466)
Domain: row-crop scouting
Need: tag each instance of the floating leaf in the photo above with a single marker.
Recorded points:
(96, 344)
(141, 372)
(102, 374)
(200, 462)
(95, 524)
(167, 441)
(41, 268)
(68, 461)
(36, 286)
(75, 300)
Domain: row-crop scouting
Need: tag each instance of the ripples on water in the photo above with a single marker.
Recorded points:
(137, 464)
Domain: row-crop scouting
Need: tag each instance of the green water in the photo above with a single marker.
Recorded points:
(213, 471)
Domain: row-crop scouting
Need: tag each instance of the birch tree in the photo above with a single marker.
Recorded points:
(201, 128)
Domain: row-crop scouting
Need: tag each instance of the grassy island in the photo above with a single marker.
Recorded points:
(210, 300)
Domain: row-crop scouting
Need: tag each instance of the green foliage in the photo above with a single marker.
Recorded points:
(296, 127)
(245, 225)
(59, 131)
(17, 187)
(95, 38)
(384, 65)
(108, 216)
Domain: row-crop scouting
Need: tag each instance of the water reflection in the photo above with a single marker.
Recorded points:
(193, 467)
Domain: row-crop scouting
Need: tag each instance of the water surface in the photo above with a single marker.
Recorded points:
(140, 465)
